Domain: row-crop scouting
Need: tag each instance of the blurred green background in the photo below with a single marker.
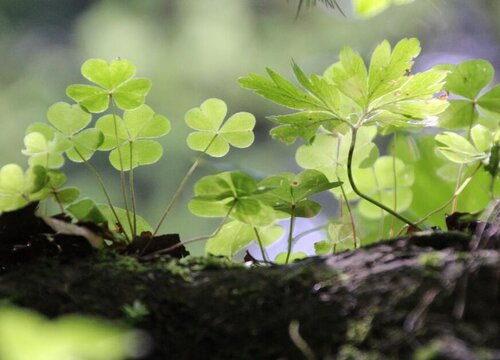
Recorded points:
(197, 49)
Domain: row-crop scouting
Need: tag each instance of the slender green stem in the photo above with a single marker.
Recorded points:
(290, 234)
(457, 192)
(262, 249)
(395, 180)
(122, 172)
(454, 200)
(359, 193)
(349, 210)
(177, 194)
(58, 201)
(100, 181)
(181, 186)
(309, 231)
(132, 190)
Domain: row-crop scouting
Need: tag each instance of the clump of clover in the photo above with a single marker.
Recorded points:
(129, 137)
(339, 114)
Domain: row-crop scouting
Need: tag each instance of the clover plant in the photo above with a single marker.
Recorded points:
(340, 116)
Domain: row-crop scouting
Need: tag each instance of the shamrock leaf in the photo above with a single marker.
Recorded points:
(369, 8)
(69, 121)
(130, 142)
(213, 137)
(115, 82)
(231, 194)
(44, 152)
(467, 80)
(289, 192)
(17, 186)
(235, 236)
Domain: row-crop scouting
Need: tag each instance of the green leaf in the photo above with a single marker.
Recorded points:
(25, 334)
(469, 78)
(281, 257)
(133, 140)
(458, 149)
(369, 8)
(232, 193)
(482, 137)
(459, 115)
(68, 119)
(289, 192)
(387, 176)
(106, 124)
(134, 154)
(491, 100)
(115, 81)
(92, 98)
(108, 75)
(16, 185)
(234, 236)
(340, 238)
(86, 210)
(303, 124)
(214, 137)
(327, 150)
(143, 123)
(132, 94)
(388, 70)
(141, 223)
(85, 144)
(281, 91)
(67, 195)
(47, 153)
(350, 76)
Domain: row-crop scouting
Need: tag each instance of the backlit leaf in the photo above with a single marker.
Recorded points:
(469, 77)
(214, 136)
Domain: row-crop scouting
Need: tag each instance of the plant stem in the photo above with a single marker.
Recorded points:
(309, 231)
(457, 192)
(395, 180)
(181, 186)
(359, 193)
(132, 190)
(122, 172)
(259, 241)
(94, 172)
(290, 234)
(177, 194)
(353, 225)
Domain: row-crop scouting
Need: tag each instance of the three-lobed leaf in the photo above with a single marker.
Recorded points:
(213, 135)
(130, 139)
(115, 82)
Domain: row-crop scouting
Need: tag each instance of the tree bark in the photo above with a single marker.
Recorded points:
(424, 296)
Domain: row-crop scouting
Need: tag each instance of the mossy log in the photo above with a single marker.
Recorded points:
(423, 296)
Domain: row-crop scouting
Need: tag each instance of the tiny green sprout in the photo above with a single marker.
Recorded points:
(115, 83)
(133, 139)
(213, 135)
